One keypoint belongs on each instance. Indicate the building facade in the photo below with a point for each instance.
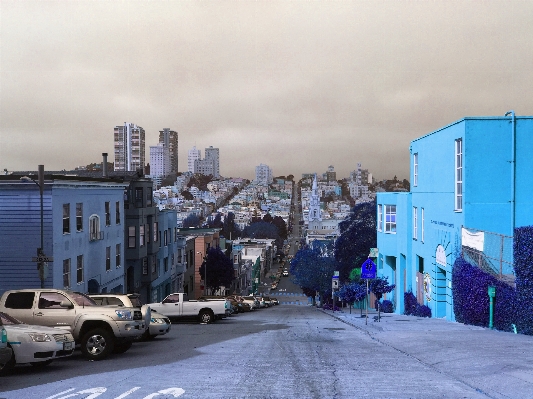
(169, 138)
(83, 225)
(192, 156)
(214, 155)
(470, 188)
(129, 144)
(263, 174)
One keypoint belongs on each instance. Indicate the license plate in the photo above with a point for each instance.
(67, 346)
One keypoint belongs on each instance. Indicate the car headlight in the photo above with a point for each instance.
(158, 321)
(124, 314)
(40, 337)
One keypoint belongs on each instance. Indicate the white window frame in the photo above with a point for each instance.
(390, 219)
(380, 217)
(422, 224)
(94, 227)
(459, 173)
(117, 255)
(107, 259)
(415, 223)
(66, 273)
(415, 169)
(79, 269)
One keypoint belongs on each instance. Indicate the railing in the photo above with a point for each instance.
(492, 253)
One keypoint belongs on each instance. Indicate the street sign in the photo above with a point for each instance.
(336, 273)
(42, 258)
(373, 253)
(368, 269)
(335, 283)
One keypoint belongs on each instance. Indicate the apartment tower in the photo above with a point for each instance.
(129, 147)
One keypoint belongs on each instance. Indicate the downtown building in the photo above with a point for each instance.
(169, 138)
(129, 145)
(263, 174)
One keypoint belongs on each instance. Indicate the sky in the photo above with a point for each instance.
(296, 85)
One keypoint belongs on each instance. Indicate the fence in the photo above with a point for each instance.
(491, 252)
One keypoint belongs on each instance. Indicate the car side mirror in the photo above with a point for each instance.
(66, 304)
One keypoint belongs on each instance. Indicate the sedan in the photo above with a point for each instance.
(37, 345)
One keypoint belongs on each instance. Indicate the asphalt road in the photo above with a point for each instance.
(287, 351)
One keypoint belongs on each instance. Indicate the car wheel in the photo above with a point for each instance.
(41, 364)
(7, 367)
(206, 316)
(97, 344)
(122, 347)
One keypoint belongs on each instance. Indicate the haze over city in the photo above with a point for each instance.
(295, 85)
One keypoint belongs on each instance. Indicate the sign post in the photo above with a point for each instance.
(368, 271)
(334, 286)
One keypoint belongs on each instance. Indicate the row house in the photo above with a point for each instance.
(82, 230)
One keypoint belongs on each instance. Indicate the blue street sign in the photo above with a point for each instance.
(368, 269)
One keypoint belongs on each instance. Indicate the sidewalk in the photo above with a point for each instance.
(494, 363)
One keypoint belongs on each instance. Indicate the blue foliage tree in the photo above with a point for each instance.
(312, 269)
(219, 269)
(358, 235)
(229, 229)
(351, 293)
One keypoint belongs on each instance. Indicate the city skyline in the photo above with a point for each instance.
(297, 86)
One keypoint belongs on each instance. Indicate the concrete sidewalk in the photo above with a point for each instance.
(496, 364)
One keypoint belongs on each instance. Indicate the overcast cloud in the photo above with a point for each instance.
(297, 85)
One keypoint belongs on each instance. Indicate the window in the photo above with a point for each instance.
(159, 234)
(141, 235)
(107, 214)
(165, 263)
(52, 300)
(149, 198)
(156, 230)
(380, 217)
(66, 218)
(20, 300)
(145, 266)
(147, 233)
(131, 237)
(117, 212)
(422, 224)
(117, 256)
(415, 169)
(415, 223)
(165, 237)
(390, 218)
(107, 258)
(66, 273)
(179, 260)
(459, 175)
(138, 196)
(79, 269)
(94, 227)
(154, 265)
(79, 217)
(170, 236)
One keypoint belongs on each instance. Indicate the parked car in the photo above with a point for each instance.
(274, 301)
(5, 350)
(268, 301)
(37, 345)
(262, 303)
(178, 305)
(254, 303)
(285, 273)
(158, 324)
(100, 330)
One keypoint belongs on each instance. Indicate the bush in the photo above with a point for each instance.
(410, 302)
(329, 306)
(422, 311)
(387, 306)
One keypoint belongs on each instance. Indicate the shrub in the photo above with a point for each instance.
(410, 302)
(387, 306)
(329, 306)
(422, 311)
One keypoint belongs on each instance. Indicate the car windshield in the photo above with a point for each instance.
(7, 320)
(82, 299)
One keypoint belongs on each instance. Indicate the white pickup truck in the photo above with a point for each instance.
(177, 305)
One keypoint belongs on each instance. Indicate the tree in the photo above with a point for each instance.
(380, 286)
(229, 229)
(267, 218)
(312, 269)
(215, 222)
(261, 230)
(219, 269)
(281, 225)
(358, 235)
(187, 195)
(351, 293)
(191, 221)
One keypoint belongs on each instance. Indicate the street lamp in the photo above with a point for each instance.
(41, 257)
(205, 271)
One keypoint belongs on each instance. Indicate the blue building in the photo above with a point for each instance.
(470, 188)
(83, 226)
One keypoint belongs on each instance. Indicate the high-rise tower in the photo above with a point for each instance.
(169, 138)
(214, 154)
(193, 155)
(129, 147)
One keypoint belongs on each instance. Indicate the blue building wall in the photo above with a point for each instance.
(487, 204)
(162, 285)
(20, 234)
